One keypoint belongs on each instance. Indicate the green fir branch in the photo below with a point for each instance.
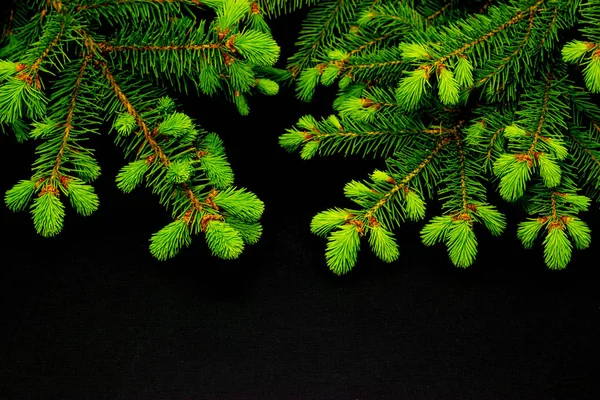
(92, 79)
(489, 80)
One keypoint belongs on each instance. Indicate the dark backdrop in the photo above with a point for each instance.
(90, 314)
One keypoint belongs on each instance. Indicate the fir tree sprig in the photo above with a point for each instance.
(492, 77)
(88, 83)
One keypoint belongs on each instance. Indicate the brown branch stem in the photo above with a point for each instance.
(69, 119)
(514, 20)
(402, 184)
(105, 47)
(544, 111)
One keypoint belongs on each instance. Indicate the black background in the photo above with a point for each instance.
(90, 314)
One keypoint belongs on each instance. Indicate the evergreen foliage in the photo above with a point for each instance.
(460, 98)
(67, 67)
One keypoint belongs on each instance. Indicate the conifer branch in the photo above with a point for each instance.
(372, 42)
(34, 67)
(374, 14)
(553, 206)
(587, 150)
(403, 183)
(122, 97)
(550, 27)
(543, 112)
(519, 122)
(315, 133)
(68, 124)
(463, 178)
(316, 36)
(492, 140)
(504, 26)
(185, 166)
(534, 126)
(321, 34)
(107, 48)
(376, 64)
(509, 58)
(439, 12)
(197, 205)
